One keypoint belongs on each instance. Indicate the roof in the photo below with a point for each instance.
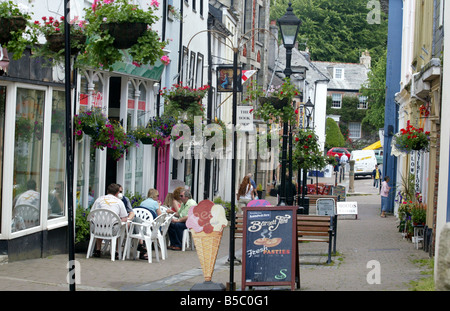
(354, 75)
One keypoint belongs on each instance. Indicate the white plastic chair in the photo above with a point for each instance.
(143, 213)
(147, 231)
(105, 225)
(25, 216)
(186, 239)
(162, 235)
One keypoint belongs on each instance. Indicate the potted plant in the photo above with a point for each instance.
(53, 29)
(117, 25)
(306, 151)
(411, 138)
(157, 131)
(182, 99)
(143, 134)
(418, 214)
(82, 227)
(14, 34)
(260, 191)
(275, 103)
(89, 122)
(103, 133)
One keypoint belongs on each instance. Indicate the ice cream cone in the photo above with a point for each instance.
(207, 245)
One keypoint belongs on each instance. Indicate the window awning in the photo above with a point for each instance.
(145, 71)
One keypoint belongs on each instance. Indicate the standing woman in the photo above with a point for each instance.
(384, 195)
(245, 193)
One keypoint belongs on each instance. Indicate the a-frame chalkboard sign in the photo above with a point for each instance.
(269, 247)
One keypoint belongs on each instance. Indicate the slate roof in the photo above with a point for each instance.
(354, 75)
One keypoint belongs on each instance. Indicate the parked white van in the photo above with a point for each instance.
(365, 162)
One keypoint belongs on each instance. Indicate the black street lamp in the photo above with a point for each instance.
(289, 25)
(308, 110)
(309, 113)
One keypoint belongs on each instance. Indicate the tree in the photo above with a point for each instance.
(375, 90)
(334, 137)
(335, 30)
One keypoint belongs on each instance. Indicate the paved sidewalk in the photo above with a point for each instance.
(361, 242)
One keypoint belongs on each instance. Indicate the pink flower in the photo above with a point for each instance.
(165, 60)
(154, 3)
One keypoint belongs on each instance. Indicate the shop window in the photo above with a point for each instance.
(28, 159)
(57, 173)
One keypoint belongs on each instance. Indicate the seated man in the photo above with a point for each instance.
(178, 224)
(112, 202)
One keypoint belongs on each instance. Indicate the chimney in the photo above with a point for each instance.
(365, 59)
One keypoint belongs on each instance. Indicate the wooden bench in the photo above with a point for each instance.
(314, 228)
(239, 223)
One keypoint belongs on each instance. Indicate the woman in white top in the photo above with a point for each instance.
(245, 193)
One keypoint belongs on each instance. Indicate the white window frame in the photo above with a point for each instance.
(334, 103)
(338, 73)
(362, 104)
(350, 133)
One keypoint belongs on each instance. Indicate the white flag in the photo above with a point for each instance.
(246, 74)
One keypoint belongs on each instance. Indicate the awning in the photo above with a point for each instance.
(145, 71)
(374, 146)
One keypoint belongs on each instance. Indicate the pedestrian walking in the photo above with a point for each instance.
(384, 195)
(376, 175)
(245, 193)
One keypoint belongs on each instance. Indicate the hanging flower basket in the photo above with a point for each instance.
(277, 103)
(184, 100)
(9, 25)
(117, 25)
(146, 140)
(125, 34)
(411, 138)
(56, 42)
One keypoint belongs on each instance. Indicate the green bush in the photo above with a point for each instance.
(334, 137)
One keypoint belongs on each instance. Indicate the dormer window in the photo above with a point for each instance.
(338, 73)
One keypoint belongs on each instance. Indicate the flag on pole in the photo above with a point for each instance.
(246, 74)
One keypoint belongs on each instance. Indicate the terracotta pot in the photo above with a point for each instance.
(125, 34)
(8, 25)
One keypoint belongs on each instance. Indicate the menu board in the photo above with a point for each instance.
(270, 246)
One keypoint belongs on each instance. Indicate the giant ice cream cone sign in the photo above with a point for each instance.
(206, 222)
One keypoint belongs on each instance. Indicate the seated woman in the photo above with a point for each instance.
(152, 203)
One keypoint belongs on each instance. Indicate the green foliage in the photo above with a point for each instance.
(266, 109)
(19, 36)
(375, 90)
(306, 153)
(81, 225)
(334, 137)
(335, 30)
(100, 51)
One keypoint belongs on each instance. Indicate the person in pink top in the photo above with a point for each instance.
(385, 188)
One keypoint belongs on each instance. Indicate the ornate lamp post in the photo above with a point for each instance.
(289, 25)
(308, 110)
